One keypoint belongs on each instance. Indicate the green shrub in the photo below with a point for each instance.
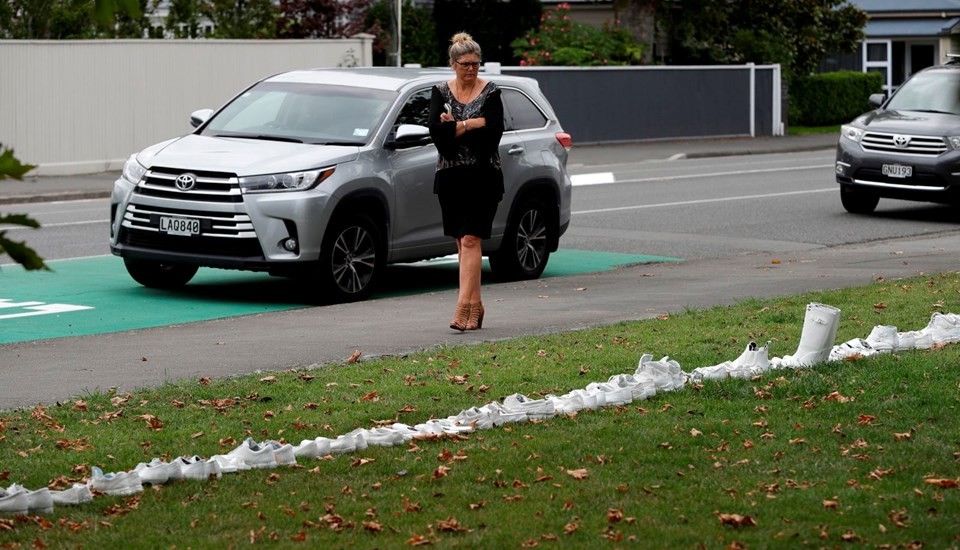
(831, 98)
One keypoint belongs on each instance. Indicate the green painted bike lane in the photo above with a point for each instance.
(96, 295)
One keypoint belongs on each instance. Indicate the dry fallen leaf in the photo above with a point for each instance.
(940, 482)
(355, 357)
(901, 437)
(736, 520)
(582, 473)
(268, 379)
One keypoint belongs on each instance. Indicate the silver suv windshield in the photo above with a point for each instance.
(303, 113)
(931, 92)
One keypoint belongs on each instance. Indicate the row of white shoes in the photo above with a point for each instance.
(650, 377)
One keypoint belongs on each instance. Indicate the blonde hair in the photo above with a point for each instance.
(462, 44)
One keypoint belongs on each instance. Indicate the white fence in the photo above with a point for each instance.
(74, 107)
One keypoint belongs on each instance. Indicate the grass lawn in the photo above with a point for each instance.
(862, 453)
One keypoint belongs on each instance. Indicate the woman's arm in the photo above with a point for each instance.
(444, 134)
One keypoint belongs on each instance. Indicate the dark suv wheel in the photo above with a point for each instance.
(858, 202)
(352, 259)
(159, 274)
(524, 252)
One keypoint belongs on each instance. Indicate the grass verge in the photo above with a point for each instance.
(862, 452)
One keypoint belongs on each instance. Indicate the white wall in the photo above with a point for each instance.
(74, 107)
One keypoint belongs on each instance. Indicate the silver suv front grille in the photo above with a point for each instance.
(902, 144)
(206, 186)
(213, 224)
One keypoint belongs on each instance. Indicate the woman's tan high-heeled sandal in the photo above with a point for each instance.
(475, 322)
(461, 317)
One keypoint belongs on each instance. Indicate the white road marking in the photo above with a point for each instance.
(41, 309)
(705, 201)
(597, 178)
(600, 178)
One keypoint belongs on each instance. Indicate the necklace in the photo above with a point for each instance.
(460, 92)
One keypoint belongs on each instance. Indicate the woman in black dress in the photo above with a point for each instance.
(466, 123)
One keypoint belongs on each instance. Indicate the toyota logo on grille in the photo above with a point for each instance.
(185, 182)
(901, 141)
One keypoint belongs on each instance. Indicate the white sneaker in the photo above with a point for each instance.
(883, 338)
(478, 418)
(13, 503)
(591, 401)
(227, 464)
(306, 449)
(640, 387)
(665, 374)
(114, 483)
(77, 494)
(347, 444)
(250, 455)
(196, 467)
(943, 328)
(157, 472)
(533, 408)
(282, 452)
(502, 415)
(568, 403)
(610, 394)
(406, 431)
(323, 446)
(852, 348)
(38, 502)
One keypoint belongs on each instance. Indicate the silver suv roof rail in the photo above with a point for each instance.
(953, 58)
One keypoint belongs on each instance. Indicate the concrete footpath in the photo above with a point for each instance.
(55, 370)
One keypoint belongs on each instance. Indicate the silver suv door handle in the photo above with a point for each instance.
(515, 150)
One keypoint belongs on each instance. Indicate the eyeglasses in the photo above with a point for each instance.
(469, 64)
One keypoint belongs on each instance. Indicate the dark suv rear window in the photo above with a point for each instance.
(520, 112)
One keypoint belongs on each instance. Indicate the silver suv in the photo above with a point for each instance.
(327, 175)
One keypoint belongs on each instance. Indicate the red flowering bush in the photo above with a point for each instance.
(561, 41)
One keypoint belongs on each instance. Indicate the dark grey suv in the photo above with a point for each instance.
(908, 148)
(327, 175)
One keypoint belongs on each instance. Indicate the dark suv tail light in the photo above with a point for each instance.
(565, 139)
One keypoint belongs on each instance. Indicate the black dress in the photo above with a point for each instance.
(469, 178)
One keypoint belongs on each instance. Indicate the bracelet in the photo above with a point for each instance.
(464, 125)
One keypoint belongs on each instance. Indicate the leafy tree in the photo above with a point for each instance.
(561, 41)
(242, 18)
(494, 25)
(70, 19)
(419, 34)
(10, 167)
(183, 18)
(798, 34)
(321, 18)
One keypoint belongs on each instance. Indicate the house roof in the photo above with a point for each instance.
(876, 7)
(896, 28)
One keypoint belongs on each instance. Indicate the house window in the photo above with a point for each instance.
(877, 57)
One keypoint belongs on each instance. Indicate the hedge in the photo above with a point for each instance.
(831, 98)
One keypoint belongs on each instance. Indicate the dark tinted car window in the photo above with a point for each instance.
(520, 112)
(416, 110)
(931, 91)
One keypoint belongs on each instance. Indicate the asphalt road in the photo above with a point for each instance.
(742, 224)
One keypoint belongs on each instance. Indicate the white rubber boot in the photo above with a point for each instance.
(816, 340)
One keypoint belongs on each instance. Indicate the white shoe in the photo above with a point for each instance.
(13, 503)
(347, 444)
(640, 387)
(323, 446)
(250, 455)
(282, 452)
(157, 472)
(477, 418)
(665, 374)
(914, 339)
(77, 494)
(501, 415)
(753, 361)
(858, 347)
(227, 464)
(610, 394)
(196, 467)
(569, 403)
(114, 483)
(883, 338)
(533, 408)
(38, 502)
(405, 430)
(816, 341)
(306, 449)
(943, 328)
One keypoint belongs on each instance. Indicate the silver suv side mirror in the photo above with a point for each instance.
(877, 100)
(409, 135)
(199, 117)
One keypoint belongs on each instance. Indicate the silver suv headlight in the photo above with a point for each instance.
(132, 170)
(851, 132)
(289, 181)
